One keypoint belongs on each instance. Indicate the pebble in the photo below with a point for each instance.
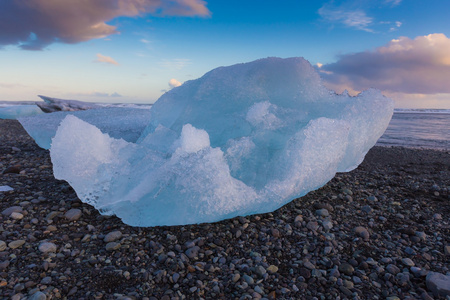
(112, 236)
(362, 232)
(2, 245)
(438, 284)
(327, 224)
(47, 247)
(111, 246)
(322, 212)
(8, 211)
(38, 296)
(407, 262)
(16, 215)
(272, 269)
(16, 244)
(73, 214)
(346, 268)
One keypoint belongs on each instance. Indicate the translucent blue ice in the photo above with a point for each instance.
(240, 140)
(125, 123)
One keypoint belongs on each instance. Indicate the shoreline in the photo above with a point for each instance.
(373, 233)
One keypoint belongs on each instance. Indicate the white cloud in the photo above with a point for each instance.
(174, 83)
(35, 24)
(355, 18)
(106, 59)
(393, 2)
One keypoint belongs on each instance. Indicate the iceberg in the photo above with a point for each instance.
(118, 122)
(240, 140)
(54, 104)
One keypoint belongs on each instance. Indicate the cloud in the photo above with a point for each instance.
(393, 2)
(347, 16)
(174, 83)
(404, 65)
(35, 24)
(106, 59)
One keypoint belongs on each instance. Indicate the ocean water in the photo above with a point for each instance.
(413, 128)
(427, 129)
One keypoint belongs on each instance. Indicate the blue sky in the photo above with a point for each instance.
(134, 50)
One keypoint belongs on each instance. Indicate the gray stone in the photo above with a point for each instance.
(346, 268)
(312, 225)
(393, 269)
(16, 215)
(362, 232)
(438, 284)
(447, 250)
(112, 236)
(111, 246)
(8, 211)
(47, 247)
(322, 212)
(192, 252)
(248, 279)
(327, 224)
(16, 244)
(408, 262)
(2, 245)
(367, 209)
(38, 296)
(73, 214)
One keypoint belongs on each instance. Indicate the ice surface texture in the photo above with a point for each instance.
(15, 111)
(240, 140)
(125, 123)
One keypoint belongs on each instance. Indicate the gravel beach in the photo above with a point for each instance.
(381, 231)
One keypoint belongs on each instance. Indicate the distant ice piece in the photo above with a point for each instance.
(54, 104)
(16, 111)
(118, 122)
(240, 140)
(6, 188)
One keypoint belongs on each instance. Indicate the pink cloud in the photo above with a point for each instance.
(106, 59)
(35, 24)
(404, 65)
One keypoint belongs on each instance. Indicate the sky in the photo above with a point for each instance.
(135, 50)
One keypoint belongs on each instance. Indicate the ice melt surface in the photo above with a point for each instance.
(240, 140)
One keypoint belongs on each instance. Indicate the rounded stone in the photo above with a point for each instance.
(2, 245)
(8, 211)
(16, 215)
(47, 247)
(346, 268)
(111, 246)
(73, 214)
(16, 244)
(272, 269)
(112, 236)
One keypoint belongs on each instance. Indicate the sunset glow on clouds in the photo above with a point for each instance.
(35, 24)
(93, 49)
(404, 65)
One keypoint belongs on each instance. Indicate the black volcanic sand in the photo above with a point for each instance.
(373, 233)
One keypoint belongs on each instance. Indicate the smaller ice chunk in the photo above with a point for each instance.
(6, 188)
(54, 104)
(99, 150)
